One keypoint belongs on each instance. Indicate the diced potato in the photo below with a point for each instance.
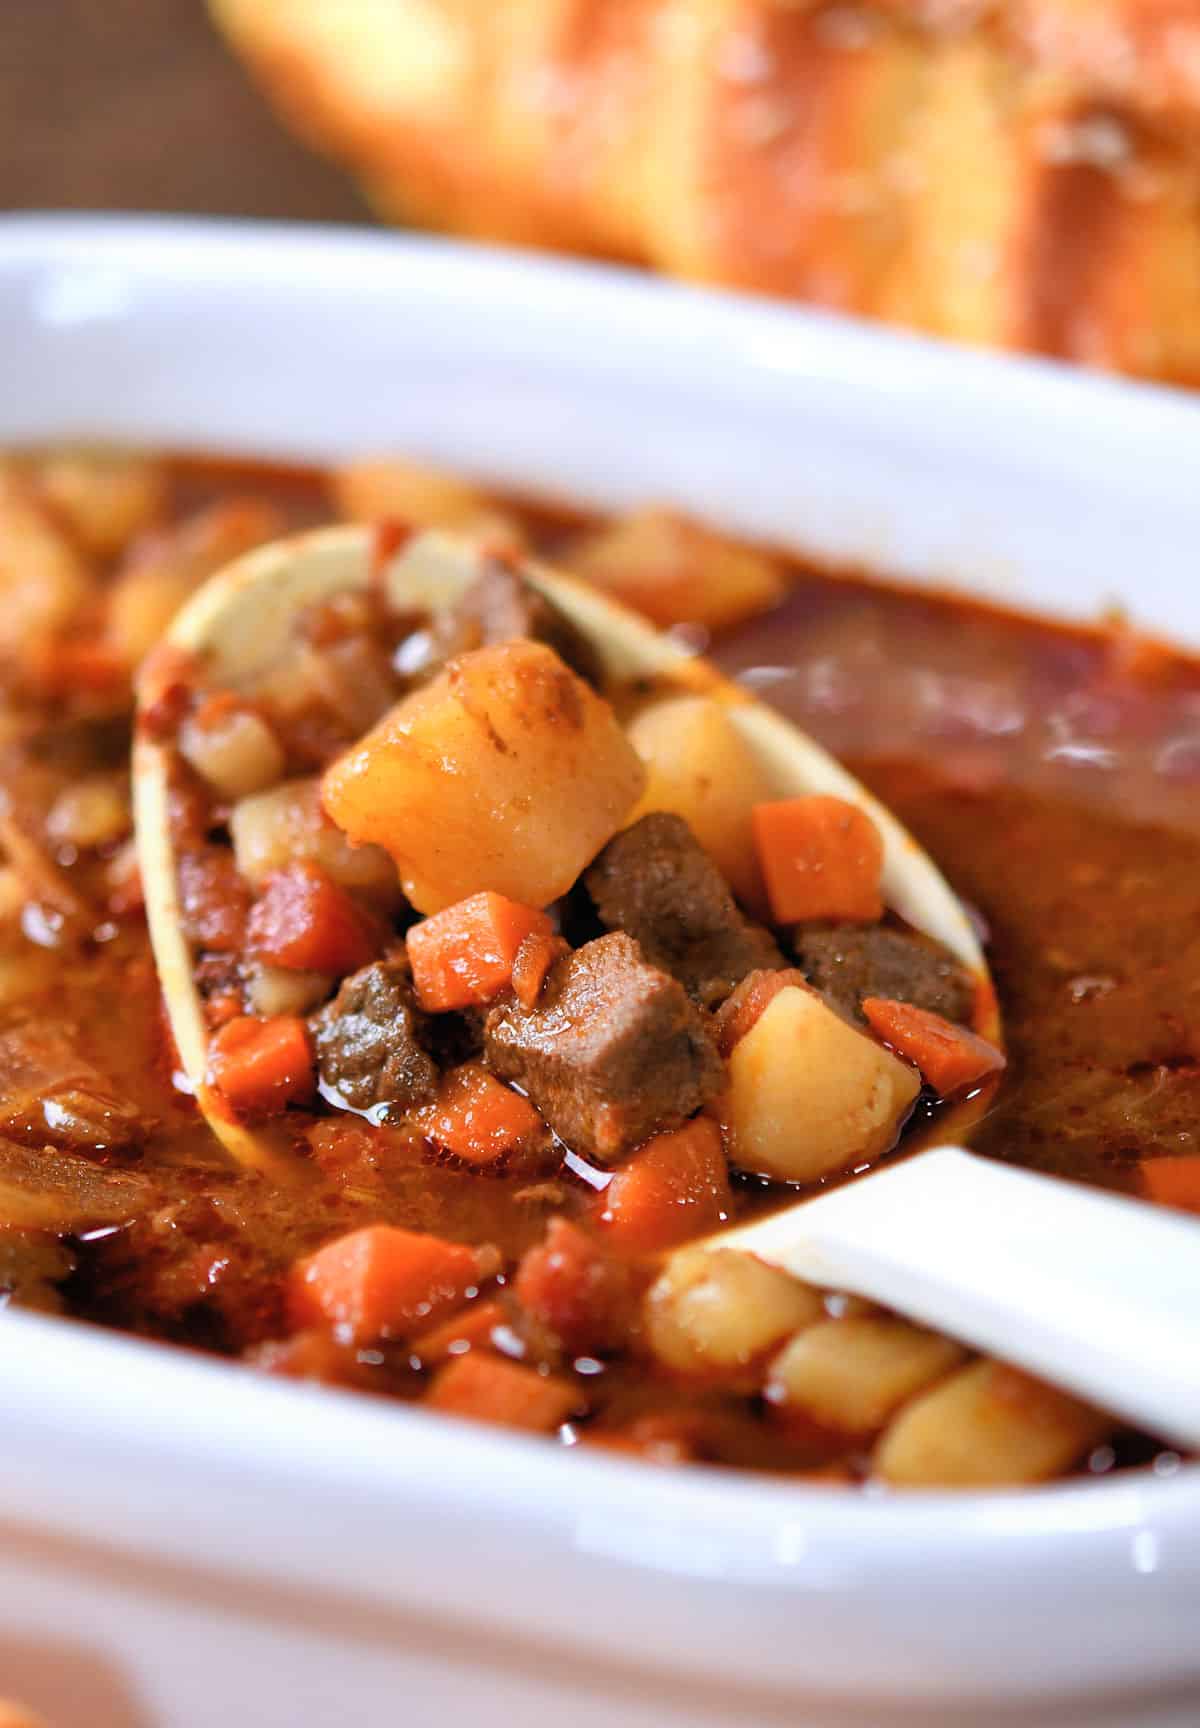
(854, 1373)
(809, 1094)
(91, 812)
(43, 580)
(988, 1426)
(718, 1309)
(424, 496)
(286, 824)
(163, 568)
(699, 766)
(277, 990)
(104, 497)
(506, 772)
(676, 571)
(235, 751)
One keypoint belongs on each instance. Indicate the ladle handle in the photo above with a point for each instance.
(1096, 1292)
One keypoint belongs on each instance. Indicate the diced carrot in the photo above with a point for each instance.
(674, 1187)
(821, 858)
(471, 1329)
(259, 1066)
(220, 1010)
(464, 955)
(533, 960)
(305, 922)
(478, 1117)
(380, 1282)
(951, 1058)
(739, 1012)
(1173, 1181)
(489, 1389)
(571, 1285)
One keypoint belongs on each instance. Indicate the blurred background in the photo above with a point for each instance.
(1014, 173)
(137, 105)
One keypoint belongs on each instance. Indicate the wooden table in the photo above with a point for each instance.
(136, 105)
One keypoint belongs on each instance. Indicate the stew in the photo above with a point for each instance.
(515, 1078)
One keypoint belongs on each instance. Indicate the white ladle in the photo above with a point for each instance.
(1096, 1292)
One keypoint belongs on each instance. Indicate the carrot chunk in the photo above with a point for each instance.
(259, 1066)
(380, 1282)
(489, 1389)
(305, 922)
(1173, 1181)
(821, 858)
(471, 1329)
(673, 1187)
(465, 955)
(478, 1117)
(950, 1057)
(533, 960)
(573, 1287)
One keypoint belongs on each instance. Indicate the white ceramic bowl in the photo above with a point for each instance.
(184, 1543)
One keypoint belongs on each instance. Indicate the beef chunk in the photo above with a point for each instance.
(500, 606)
(658, 884)
(613, 1051)
(849, 961)
(370, 1049)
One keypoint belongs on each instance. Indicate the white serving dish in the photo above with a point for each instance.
(184, 1544)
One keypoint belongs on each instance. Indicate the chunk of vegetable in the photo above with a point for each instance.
(91, 812)
(1173, 1181)
(531, 966)
(464, 955)
(719, 1309)
(575, 1289)
(273, 829)
(380, 1282)
(987, 1426)
(489, 1389)
(274, 990)
(821, 858)
(675, 571)
(233, 748)
(739, 1012)
(470, 1329)
(951, 1058)
(304, 922)
(478, 1118)
(699, 766)
(809, 1094)
(506, 772)
(854, 1373)
(674, 1187)
(260, 1066)
(104, 497)
(413, 492)
(43, 581)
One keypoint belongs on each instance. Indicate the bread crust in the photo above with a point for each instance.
(1022, 173)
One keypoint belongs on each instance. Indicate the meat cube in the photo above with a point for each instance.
(847, 962)
(658, 884)
(613, 1051)
(499, 606)
(370, 1050)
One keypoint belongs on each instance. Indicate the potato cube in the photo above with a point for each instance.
(988, 1426)
(506, 772)
(699, 766)
(286, 825)
(105, 497)
(719, 1309)
(809, 1094)
(675, 571)
(854, 1373)
(43, 581)
(421, 495)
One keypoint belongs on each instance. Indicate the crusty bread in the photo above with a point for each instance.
(1023, 172)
